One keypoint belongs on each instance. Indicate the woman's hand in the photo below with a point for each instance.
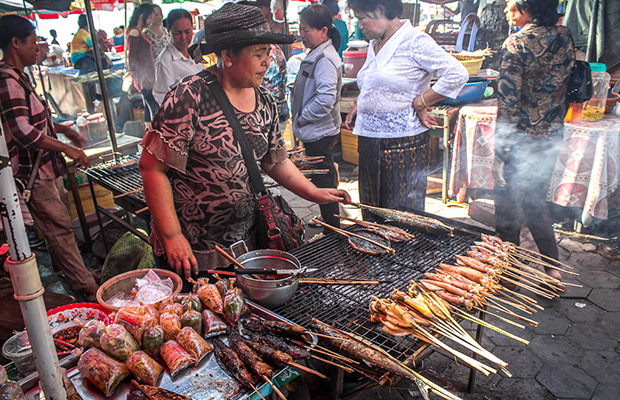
(180, 256)
(348, 122)
(329, 195)
(426, 118)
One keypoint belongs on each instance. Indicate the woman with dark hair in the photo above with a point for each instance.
(31, 139)
(392, 108)
(195, 179)
(316, 99)
(340, 25)
(157, 33)
(141, 65)
(535, 66)
(175, 62)
(82, 42)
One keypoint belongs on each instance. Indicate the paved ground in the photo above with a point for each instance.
(573, 353)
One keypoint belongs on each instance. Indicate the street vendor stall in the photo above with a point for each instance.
(585, 174)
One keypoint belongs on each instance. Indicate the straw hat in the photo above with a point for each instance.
(235, 25)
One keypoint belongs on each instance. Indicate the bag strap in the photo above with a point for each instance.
(246, 149)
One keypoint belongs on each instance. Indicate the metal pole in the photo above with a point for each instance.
(27, 287)
(104, 88)
(591, 50)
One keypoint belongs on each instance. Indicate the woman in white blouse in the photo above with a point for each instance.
(392, 120)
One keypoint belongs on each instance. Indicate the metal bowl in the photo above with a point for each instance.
(269, 293)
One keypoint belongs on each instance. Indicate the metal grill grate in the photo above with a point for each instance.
(346, 306)
(121, 179)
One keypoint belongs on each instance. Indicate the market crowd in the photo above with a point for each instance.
(196, 176)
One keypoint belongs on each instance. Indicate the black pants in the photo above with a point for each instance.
(528, 173)
(325, 147)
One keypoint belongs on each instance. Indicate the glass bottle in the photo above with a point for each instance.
(595, 107)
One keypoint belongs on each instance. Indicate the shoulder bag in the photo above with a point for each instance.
(278, 227)
(579, 87)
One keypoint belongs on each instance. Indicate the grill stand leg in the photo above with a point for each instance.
(337, 383)
(98, 214)
(472, 372)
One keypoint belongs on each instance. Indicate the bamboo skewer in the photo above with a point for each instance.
(343, 367)
(490, 326)
(275, 388)
(256, 391)
(118, 196)
(348, 234)
(499, 317)
(512, 314)
(308, 370)
(330, 353)
(140, 211)
(326, 281)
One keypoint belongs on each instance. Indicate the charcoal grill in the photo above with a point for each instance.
(346, 306)
(121, 178)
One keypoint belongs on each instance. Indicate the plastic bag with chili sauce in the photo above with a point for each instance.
(171, 324)
(90, 334)
(103, 371)
(213, 325)
(152, 339)
(117, 342)
(193, 319)
(144, 368)
(175, 357)
(134, 322)
(193, 344)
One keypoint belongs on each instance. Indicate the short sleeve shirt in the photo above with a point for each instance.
(213, 198)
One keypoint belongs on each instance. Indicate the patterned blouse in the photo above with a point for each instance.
(158, 42)
(535, 67)
(392, 78)
(210, 185)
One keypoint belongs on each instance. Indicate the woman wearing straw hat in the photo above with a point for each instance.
(195, 180)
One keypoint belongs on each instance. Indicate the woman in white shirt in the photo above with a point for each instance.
(174, 63)
(392, 120)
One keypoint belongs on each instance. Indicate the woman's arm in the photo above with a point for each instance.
(287, 174)
(158, 194)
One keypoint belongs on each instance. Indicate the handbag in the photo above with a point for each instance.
(278, 227)
(579, 87)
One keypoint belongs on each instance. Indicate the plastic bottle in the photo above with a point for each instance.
(595, 107)
(82, 125)
(9, 390)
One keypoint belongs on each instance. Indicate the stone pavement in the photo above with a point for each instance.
(574, 352)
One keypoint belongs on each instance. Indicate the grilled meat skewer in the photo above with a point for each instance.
(277, 328)
(231, 362)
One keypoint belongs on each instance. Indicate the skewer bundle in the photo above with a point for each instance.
(478, 280)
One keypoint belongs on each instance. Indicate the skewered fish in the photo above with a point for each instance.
(249, 357)
(418, 222)
(277, 328)
(367, 247)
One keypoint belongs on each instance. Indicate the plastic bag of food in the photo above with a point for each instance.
(191, 302)
(223, 286)
(175, 357)
(194, 344)
(210, 298)
(103, 371)
(152, 339)
(152, 289)
(174, 308)
(72, 393)
(117, 342)
(90, 334)
(212, 324)
(199, 283)
(192, 318)
(144, 368)
(171, 323)
(134, 323)
(234, 306)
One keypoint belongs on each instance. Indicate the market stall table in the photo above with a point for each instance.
(585, 174)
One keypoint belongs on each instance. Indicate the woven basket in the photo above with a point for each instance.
(125, 282)
(472, 65)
